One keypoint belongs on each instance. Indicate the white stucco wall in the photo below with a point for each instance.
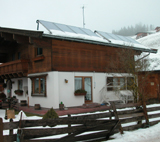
(59, 91)
(15, 87)
(52, 90)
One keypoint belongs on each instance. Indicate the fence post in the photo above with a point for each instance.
(69, 124)
(145, 110)
(1, 129)
(11, 131)
(116, 115)
(110, 117)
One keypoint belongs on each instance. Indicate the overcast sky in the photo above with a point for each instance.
(103, 15)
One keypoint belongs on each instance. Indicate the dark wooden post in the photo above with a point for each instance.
(116, 116)
(11, 131)
(110, 117)
(69, 124)
(1, 129)
(145, 110)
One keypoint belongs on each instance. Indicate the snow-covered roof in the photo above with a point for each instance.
(147, 32)
(62, 31)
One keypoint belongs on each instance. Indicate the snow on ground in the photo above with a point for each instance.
(151, 134)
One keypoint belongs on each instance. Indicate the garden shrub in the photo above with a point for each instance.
(51, 114)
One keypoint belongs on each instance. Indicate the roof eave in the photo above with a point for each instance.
(23, 32)
(99, 43)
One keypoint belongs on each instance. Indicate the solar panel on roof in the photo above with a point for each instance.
(88, 32)
(103, 34)
(77, 30)
(49, 25)
(114, 36)
(66, 28)
(124, 38)
(111, 37)
(132, 40)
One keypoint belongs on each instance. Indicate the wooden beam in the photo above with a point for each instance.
(7, 36)
(41, 42)
(15, 75)
(2, 76)
(11, 75)
(22, 32)
(20, 74)
(6, 76)
(21, 39)
(25, 74)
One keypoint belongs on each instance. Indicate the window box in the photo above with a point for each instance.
(18, 92)
(38, 58)
(80, 92)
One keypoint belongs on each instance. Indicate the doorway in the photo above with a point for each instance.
(9, 88)
(86, 84)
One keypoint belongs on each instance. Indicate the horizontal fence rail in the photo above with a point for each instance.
(96, 126)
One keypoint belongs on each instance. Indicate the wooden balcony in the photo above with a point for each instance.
(14, 69)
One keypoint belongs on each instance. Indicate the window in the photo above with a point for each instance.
(39, 86)
(39, 51)
(20, 85)
(86, 84)
(119, 83)
(19, 55)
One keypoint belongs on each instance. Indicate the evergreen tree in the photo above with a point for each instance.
(130, 30)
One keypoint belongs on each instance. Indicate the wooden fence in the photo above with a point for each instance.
(98, 125)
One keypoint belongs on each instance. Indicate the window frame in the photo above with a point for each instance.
(112, 87)
(33, 93)
(37, 52)
(83, 86)
(20, 80)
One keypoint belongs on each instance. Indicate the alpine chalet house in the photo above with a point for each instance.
(47, 67)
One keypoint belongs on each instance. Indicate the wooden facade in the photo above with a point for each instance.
(17, 46)
(73, 56)
(150, 84)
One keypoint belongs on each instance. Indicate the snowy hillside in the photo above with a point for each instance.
(152, 41)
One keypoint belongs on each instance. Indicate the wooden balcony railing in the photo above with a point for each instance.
(13, 69)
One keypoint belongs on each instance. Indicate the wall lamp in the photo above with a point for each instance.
(66, 81)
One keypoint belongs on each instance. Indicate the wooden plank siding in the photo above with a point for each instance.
(63, 55)
(74, 56)
(150, 83)
(42, 64)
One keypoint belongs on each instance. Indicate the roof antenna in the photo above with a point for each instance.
(83, 16)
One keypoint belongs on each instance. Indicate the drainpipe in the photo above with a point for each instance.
(144, 56)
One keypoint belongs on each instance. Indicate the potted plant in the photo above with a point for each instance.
(80, 92)
(61, 106)
(18, 92)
